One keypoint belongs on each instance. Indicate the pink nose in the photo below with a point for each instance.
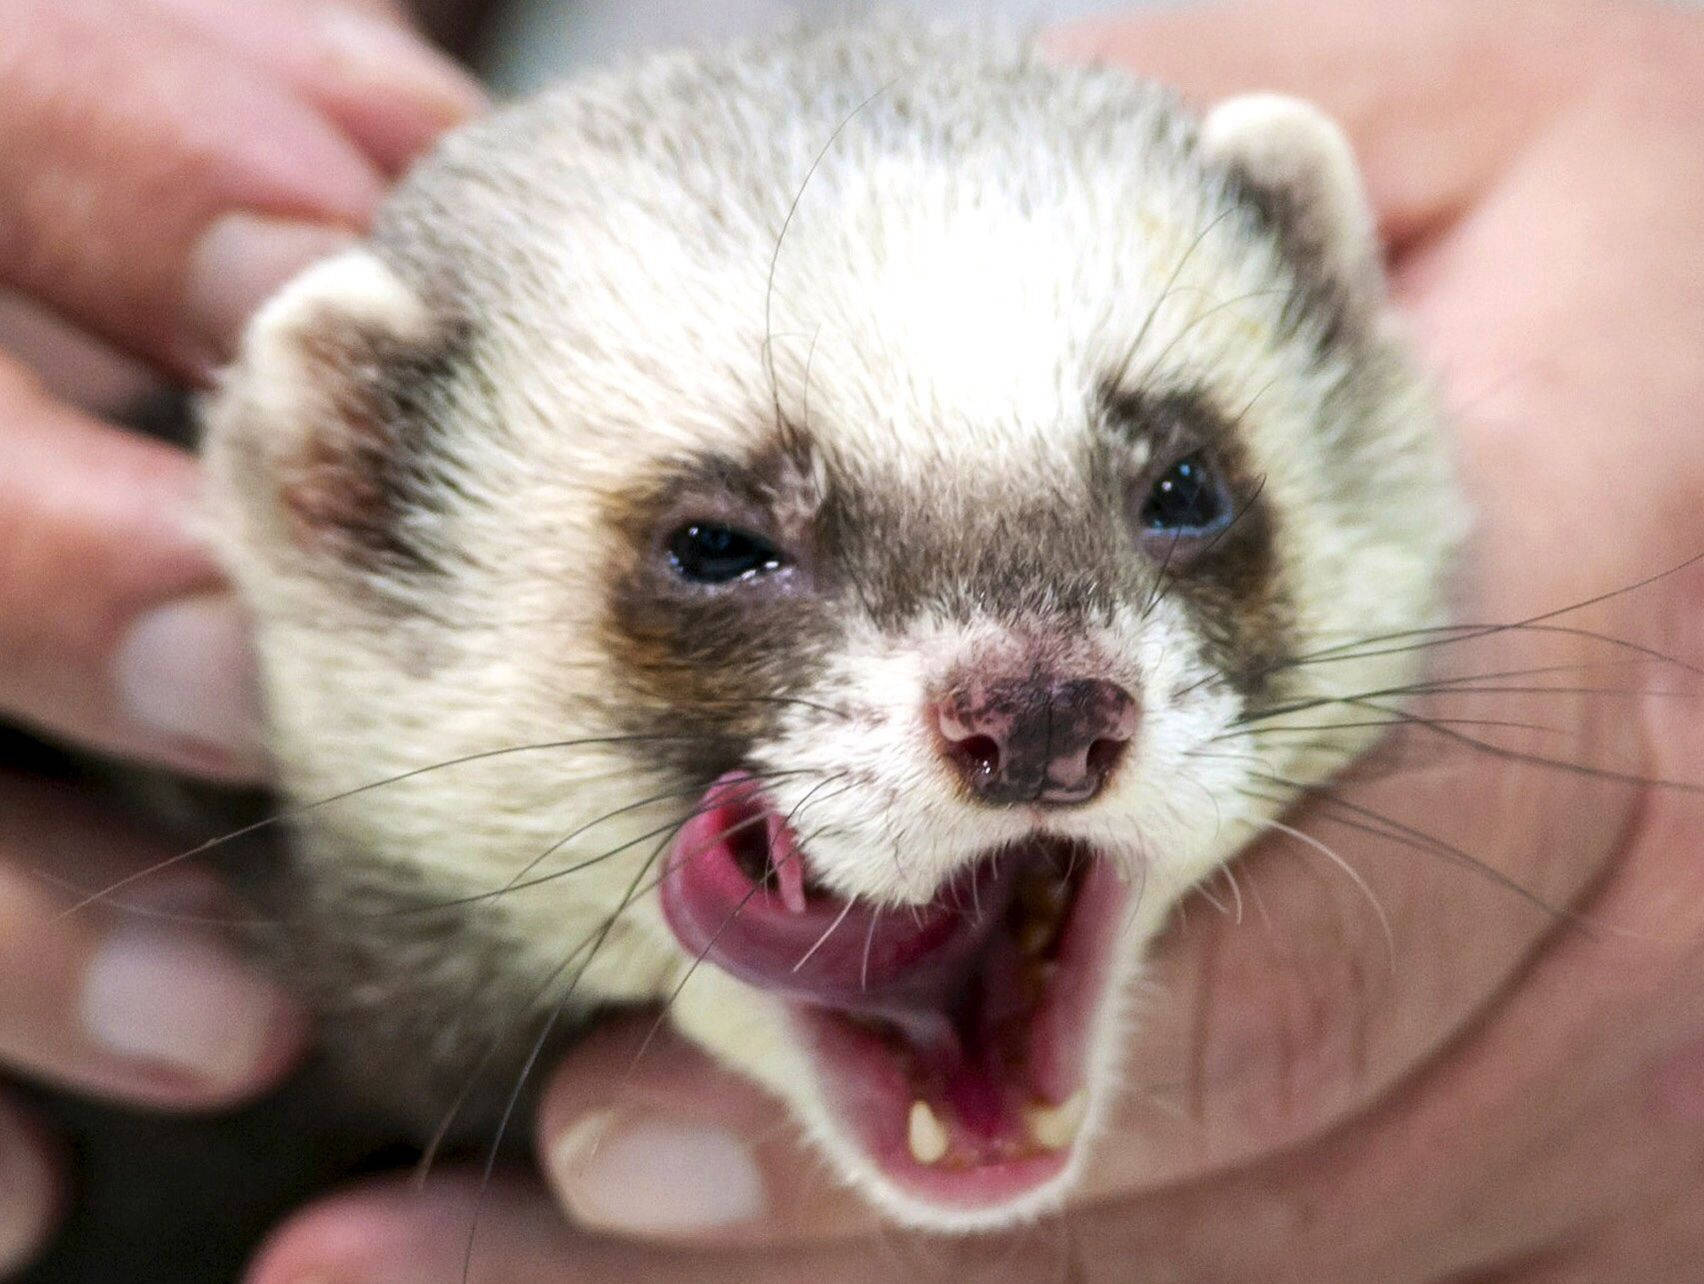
(1036, 740)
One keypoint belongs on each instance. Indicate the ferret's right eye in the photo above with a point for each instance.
(706, 553)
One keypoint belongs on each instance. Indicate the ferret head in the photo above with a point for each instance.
(846, 513)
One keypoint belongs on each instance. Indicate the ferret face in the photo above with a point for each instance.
(841, 542)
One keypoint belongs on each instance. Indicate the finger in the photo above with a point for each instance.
(1259, 1031)
(126, 140)
(1264, 1031)
(1487, 1128)
(1435, 98)
(29, 1190)
(1294, 1015)
(71, 365)
(643, 1135)
(114, 627)
(389, 1233)
(127, 1002)
(390, 91)
(1274, 1010)
(1385, 1199)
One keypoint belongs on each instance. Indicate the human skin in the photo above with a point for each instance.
(1510, 1084)
(163, 165)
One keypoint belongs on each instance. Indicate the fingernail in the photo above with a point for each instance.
(27, 1195)
(179, 1002)
(241, 261)
(368, 49)
(646, 1177)
(185, 671)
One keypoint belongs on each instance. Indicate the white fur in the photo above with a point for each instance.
(1286, 145)
(952, 333)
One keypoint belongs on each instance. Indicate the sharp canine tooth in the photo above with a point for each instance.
(927, 1135)
(1056, 1127)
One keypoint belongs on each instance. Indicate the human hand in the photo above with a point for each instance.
(1511, 1080)
(164, 164)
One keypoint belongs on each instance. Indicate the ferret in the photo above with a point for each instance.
(812, 535)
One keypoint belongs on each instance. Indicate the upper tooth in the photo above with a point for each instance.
(927, 1135)
(1056, 1127)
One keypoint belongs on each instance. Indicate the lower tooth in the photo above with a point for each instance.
(927, 1135)
(1056, 1127)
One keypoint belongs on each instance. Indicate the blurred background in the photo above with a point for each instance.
(523, 44)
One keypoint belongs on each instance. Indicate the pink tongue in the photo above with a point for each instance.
(905, 964)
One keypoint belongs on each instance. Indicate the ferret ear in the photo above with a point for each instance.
(1297, 164)
(312, 437)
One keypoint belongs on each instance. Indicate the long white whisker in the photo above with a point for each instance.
(1346, 867)
(839, 919)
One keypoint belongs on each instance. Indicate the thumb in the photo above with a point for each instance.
(643, 1135)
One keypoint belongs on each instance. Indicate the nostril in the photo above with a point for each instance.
(979, 756)
(1036, 739)
(1104, 756)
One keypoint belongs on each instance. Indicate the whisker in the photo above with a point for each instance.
(869, 939)
(828, 932)
(434, 1144)
(1476, 631)
(1156, 591)
(1470, 633)
(1651, 692)
(1156, 594)
(1236, 890)
(1556, 764)
(592, 939)
(1397, 721)
(531, 1063)
(304, 809)
(1458, 685)
(669, 833)
(669, 830)
(1382, 826)
(1121, 378)
(425, 907)
(1354, 876)
(1224, 909)
(514, 883)
(1185, 330)
(805, 395)
(497, 1043)
(1232, 755)
(780, 239)
(692, 968)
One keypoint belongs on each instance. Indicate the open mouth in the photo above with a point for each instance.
(952, 1037)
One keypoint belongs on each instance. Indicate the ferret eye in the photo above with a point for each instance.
(705, 553)
(1191, 499)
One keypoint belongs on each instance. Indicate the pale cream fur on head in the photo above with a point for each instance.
(583, 284)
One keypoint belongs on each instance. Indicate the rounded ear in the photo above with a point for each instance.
(313, 437)
(1298, 165)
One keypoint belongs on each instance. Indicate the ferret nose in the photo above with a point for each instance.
(1052, 741)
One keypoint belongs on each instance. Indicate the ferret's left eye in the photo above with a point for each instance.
(1190, 499)
(706, 553)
